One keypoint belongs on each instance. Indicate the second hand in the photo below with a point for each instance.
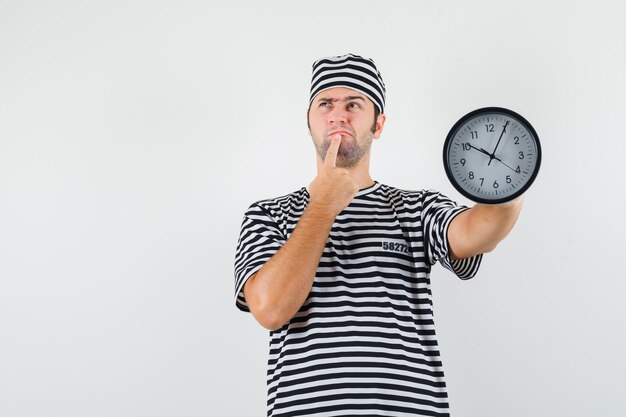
(492, 157)
(500, 160)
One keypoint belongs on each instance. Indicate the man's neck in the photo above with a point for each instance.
(363, 179)
(360, 173)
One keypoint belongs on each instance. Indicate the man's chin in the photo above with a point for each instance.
(347, 159)
(346, 146)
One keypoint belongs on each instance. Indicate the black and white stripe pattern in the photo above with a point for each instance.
(351, 71)
(364, 341)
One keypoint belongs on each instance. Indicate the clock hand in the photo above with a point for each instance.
(480, 150)
(491, 156)
(500, 160)
(485, 152)
(499, 139)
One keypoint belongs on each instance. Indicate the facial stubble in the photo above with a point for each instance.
(350, 152)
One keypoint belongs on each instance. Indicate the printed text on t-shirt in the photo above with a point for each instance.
(395, 247)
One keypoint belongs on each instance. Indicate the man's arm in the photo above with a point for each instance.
(277, 291)
(481, 228)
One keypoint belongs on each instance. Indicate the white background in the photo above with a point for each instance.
(134, 134)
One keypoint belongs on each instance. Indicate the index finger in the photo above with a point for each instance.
(331, 154)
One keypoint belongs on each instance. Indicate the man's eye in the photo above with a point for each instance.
(354, 105)
(324, 104)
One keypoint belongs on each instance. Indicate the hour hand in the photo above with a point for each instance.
(485, 152)
(480, 150)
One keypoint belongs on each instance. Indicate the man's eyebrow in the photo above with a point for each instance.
(347, 98)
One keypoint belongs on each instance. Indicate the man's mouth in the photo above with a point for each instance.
(338, 132)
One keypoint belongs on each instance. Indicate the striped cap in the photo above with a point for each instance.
(351, 71)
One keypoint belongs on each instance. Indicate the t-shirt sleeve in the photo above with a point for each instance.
(438, 212)
(259, 239)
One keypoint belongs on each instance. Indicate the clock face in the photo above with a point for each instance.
(492, 155)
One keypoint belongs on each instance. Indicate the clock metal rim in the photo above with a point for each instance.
(490, 110)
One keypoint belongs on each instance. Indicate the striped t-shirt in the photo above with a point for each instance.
(363, 343)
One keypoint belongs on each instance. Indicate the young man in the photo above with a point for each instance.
(339, 271)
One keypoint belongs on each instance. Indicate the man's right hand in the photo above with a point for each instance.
(334, 188)
(278, 290)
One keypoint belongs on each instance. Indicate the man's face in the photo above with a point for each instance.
(349, 113)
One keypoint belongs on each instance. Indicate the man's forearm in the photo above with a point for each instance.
(481, 228)
(278, 290)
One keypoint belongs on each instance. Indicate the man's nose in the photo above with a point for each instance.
(338, 114)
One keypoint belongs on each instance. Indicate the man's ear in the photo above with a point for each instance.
(308, 124)
(380, 124)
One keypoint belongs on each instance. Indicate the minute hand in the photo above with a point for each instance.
(493, 154)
